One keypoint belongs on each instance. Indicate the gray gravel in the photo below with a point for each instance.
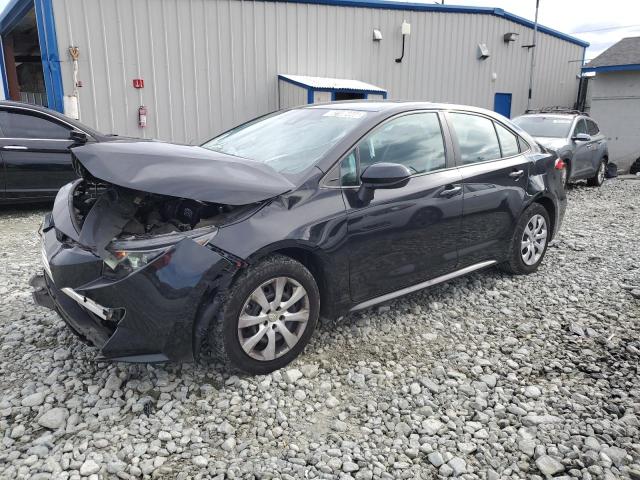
(489, 377)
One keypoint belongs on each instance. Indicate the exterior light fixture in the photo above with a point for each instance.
(405, 29)
(483, 51)
(510, 37)
(377, 35)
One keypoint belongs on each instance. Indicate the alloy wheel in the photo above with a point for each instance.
(601, 170)
(534, 239)
(273, 318)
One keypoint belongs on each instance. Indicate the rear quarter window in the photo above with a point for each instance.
(508, 141)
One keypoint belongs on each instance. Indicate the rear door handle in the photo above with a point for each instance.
(516, 173)
(450, 191)
(14, 147)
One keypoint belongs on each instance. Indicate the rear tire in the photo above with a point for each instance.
(272, 332)
(598, 178)
(530, 240)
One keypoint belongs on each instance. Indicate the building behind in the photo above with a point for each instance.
(615, 100)
(210, 64)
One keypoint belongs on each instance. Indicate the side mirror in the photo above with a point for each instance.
(582, 137)
(382, 175)
(78, 137)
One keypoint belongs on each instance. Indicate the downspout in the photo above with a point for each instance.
(533, 55)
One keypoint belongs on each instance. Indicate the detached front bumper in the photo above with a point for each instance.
(154, 314)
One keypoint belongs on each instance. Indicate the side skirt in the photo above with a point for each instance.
(420, 286)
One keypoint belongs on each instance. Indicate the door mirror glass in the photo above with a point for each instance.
(582, 137)
(385, 175)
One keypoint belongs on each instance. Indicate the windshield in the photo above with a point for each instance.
(290, 141)
(539, 126)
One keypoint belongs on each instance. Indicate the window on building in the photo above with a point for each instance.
(477, 138)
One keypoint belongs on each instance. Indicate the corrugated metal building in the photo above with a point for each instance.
(210, 64)
(615, 100)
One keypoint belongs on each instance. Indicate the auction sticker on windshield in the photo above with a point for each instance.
(344, 114)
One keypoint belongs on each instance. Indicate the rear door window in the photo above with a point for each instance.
(23, 124)
(476, 137)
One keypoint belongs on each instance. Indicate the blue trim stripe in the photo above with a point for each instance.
(425, 7)
(613, 68)
(49, 52)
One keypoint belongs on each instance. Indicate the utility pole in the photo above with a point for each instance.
(533, 55)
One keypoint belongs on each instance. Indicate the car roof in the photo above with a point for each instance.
(552, 115)
(397, 106)
(37, 108)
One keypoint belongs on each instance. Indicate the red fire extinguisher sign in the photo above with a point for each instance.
(142, 116)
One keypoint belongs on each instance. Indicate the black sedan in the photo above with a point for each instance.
(35, 156)
(242, 243)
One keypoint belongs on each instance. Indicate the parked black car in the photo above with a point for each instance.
(242, 243)
(35, 151)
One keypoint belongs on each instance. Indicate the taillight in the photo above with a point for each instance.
(559, 164)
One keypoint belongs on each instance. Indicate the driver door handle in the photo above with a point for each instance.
(450, 191)
(516, 173)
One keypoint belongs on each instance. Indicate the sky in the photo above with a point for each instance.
(599, 23)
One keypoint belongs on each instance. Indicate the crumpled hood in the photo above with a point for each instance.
(554, 144)
(181, 171)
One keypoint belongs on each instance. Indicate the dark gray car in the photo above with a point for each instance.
(575, 138)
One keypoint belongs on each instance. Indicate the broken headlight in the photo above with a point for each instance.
(129, 255)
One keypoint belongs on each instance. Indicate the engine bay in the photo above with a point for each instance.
(149, 214)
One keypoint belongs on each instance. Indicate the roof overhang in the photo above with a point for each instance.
(331, 84)
(428, 7)
(612, 68)
(13, 13)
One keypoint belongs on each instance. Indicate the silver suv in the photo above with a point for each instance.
(574, 137)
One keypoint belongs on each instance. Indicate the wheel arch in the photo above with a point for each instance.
(548, 204)
(309, 256)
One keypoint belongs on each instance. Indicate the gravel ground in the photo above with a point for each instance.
(489, 376)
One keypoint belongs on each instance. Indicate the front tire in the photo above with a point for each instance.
(267, 316)
(598, 178)
(530, 240)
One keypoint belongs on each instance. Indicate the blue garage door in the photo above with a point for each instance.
(502, 104)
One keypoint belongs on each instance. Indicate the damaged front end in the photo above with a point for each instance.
(132, 272)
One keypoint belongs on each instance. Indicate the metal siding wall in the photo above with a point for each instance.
(210, 64)
(291, 95)
(615, 105)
